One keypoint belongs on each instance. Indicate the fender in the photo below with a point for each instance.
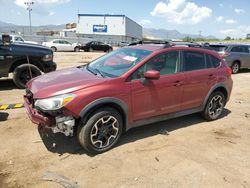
(216, 86)
(106, 101)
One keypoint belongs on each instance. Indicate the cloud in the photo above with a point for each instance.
(220, 18)
(228, 31)
(51, 13)
(221, 5)
(239, 11)
(145, 22)
(41, 2)
(238, 32)
(181, 12)
(231, 21)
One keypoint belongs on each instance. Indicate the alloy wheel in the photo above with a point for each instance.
(216, 106)
(104, 132)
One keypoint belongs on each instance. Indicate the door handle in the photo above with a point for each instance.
(178, 83)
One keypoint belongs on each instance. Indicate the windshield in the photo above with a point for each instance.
(118, 62)
(219, 48)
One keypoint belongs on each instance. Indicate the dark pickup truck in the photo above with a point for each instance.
(25, 61)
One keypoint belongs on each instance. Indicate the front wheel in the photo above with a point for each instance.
(101, 132)
(235, 67)
(214, 107)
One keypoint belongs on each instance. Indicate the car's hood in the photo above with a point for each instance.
(29, 49)
(62, 82)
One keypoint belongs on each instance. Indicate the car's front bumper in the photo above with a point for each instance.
(59, 123)
(49, 66)
(34, 115)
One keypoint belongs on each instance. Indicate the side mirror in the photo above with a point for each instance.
(152, 75)
(6, 40)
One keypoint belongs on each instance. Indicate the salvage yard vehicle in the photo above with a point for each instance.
(62, 45)
(237, 56)
(96, 46)
(129, 87)
(19, 39)
(25, 61)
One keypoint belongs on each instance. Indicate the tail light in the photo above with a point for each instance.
(224, 54)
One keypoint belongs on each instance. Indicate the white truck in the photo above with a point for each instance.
(18, 39)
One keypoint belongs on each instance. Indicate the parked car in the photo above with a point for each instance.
(62, 45)
(129, 87)
(25, 61)
(96, 46)
(236, 55)
(19, 39)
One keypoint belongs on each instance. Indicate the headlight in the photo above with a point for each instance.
(54, 103)
(48, 57)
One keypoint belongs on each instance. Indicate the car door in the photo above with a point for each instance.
(248, 58)
(56, 43)
(101, 46)
(157, 97)
(198, 79)
(241, 53)
(6, 57)
(94, 45)
(68, 46)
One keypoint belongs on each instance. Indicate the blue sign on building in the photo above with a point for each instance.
(100, 28)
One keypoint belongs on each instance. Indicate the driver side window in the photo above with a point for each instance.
(166, 63)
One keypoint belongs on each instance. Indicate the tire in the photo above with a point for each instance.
(21, 74)
(96, 143)
(77, 49)
(53, 49)
(235, 67)
(214, 107)
(110, 50)
(91, 49)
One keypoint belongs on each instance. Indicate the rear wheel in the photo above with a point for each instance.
(101, 132)
(77, 49)
(23, 73)
(214, 107)
(235, 67)
(91, 49)
(53, 49)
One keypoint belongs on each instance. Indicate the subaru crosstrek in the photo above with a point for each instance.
(126, 88)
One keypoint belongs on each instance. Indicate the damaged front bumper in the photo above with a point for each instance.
(59, 123)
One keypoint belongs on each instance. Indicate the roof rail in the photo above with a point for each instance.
(166, 43)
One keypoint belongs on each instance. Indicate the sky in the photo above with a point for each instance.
(219, 18)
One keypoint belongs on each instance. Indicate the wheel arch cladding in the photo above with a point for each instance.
(24, 61)
(218, 87)
(114, 103)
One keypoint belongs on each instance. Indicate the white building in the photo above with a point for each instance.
(108, 28)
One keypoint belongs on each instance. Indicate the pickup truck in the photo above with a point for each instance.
(19, 39)
(25, 61)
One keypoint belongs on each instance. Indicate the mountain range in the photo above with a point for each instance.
(147, 32)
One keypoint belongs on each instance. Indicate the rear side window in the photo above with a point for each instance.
(240, 49)
(193, 61)
(212, 62)
(219, 48)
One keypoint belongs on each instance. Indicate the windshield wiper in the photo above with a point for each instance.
(95, 71)
(91, 70)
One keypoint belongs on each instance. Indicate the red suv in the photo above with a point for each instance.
(126, 88)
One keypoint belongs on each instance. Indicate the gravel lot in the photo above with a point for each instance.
(183, 152)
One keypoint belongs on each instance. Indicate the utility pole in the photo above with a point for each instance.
(29, 5)
(200, 34)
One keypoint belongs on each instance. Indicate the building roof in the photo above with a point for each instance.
(103, 15)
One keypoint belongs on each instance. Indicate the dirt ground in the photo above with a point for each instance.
(183, 152)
